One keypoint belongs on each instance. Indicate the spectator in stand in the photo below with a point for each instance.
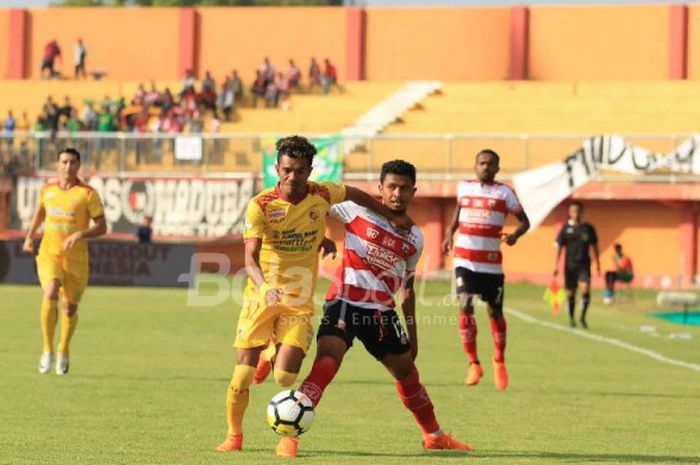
(79, 53)
(9, 126)
(24, 124)
(208, 96)
(51, 52)
(271, 94)
(140, 95)
(41, 122)
(105, 120)
(208, 82)
(51, 112)
(73, 124)
(293, 76)
(189, 82)
(258, 88)
(236, 87)
(268, 72)
(282, 85)
(330, 77)
(90, 117)
(67, 109)
(152, 97)
(166, 99)
(226, 99)
(314, 74)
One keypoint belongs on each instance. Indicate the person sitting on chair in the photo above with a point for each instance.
(623, 273)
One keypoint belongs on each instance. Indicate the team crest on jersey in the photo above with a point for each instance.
(478, 203)
(492, 203)
(372, 233)
(50, 195)
(492, 256)
(389, 242)
(314, 214)
(584, 237)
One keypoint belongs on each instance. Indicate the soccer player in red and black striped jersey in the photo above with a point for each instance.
(482, 206)
(378, 262)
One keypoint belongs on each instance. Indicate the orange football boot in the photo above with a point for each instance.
(232, 443)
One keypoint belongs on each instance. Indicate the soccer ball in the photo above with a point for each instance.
(290, 413)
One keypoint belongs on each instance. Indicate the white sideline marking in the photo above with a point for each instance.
(608, 340)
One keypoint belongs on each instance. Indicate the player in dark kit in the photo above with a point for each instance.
(378, 262)
(577, 237)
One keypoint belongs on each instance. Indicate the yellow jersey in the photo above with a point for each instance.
(67, 211)
(291, 234)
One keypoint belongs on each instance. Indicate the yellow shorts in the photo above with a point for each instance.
(289, 325)
(73, 275)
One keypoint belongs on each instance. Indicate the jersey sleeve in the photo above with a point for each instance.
(512, 203)
(336, 190)
(254, 223)
(94, 205)
(412, 261)
(343, 211)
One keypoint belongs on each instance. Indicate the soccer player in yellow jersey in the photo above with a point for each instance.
(284, 227)
(66, 207)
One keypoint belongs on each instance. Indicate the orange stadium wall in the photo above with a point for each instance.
(599, 42)
(438, 43)
(127, 43)
(694, 41)
(5, 34)
(239, 38)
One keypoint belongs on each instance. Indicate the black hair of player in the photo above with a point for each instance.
(70, 151)
(577, 204)
(490, 152)
(400, 168)
(297, 147)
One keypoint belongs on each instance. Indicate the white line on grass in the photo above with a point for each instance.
(608, 340)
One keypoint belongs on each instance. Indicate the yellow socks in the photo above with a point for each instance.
(237, 397)
(48, 318)
(68, 325)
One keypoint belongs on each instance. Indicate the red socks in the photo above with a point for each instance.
(498, 331)
(416, 399)
(467, 332)
(322, 373)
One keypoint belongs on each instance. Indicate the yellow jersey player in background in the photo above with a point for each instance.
(66, 208)
(284, 227)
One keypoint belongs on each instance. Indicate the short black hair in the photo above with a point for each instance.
(296, 147)
(576, 203)
(399, 167)
(618, 246)
(489, 152)
(69, 150)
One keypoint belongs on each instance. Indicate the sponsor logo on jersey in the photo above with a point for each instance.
(372, 233)
(272, 214)
(389, 242)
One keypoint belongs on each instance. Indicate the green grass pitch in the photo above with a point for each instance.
(149, 375)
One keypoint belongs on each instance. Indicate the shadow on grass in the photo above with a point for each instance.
(592, 458)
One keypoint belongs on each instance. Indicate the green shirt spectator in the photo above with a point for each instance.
(106, 122)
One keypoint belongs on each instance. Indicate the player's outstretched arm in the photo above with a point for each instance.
(98, 229)
(448, 241)
(252, 268)
(362, 198)
(408, 306)
(39, 217)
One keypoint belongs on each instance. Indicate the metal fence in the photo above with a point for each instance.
(436, 156)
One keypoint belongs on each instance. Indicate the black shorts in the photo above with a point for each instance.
(488, 286)
(576, 274)
(381, 332)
